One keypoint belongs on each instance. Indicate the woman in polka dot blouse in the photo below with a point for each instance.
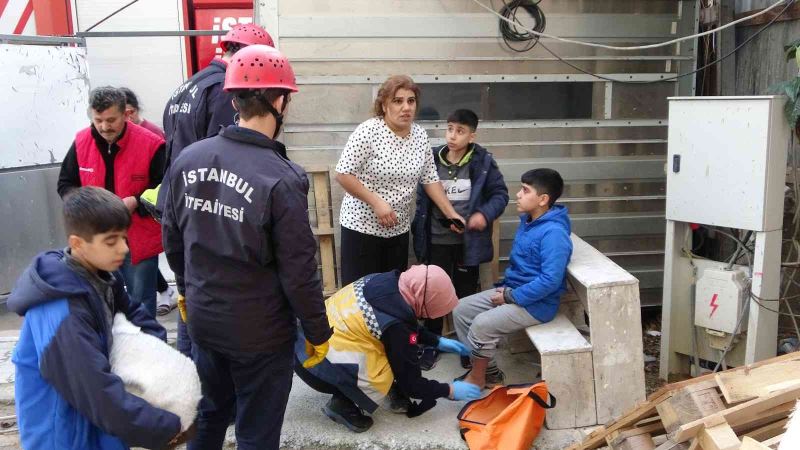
(384, 160)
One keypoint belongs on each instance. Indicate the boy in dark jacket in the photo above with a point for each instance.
(66, 395)
(477, 190)
(534, 280)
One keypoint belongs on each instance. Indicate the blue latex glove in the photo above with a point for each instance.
(465, 391)
(452, 346)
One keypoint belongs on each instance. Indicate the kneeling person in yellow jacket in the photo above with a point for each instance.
(374, 350)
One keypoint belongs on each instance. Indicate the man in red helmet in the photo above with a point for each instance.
(199, 107)
(237, 235)
(197, 110)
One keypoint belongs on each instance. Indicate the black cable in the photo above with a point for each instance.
(736, 49)
(510, 32)
(762, 306)
(110, 16)
(788, 297)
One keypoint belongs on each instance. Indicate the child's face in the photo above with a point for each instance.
(459, 136)
(531, 202)
(106, 251)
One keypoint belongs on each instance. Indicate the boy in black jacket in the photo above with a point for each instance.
(477, 190)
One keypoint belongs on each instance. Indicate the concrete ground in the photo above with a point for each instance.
(306, 427)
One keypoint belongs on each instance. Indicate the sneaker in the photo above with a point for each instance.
(430, 356)
(166, 302)
(466, 362)
(398, 403)
(343, 411)
(494, 378)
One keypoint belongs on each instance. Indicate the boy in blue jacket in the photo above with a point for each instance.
(534, 280)
(66, 395)
(477, 190)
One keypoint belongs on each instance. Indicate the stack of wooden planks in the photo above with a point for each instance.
(743, 408)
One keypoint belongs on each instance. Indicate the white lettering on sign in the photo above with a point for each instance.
(225, 24)
(223, 176)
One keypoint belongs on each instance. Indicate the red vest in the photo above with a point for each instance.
(131, 177)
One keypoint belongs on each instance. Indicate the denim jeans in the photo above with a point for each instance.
(184, 341)
(141, 280)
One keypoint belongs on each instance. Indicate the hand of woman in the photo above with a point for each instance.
(386, 215)
(452, 346)
(461, 390)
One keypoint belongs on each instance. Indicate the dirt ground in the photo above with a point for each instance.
(651, 339)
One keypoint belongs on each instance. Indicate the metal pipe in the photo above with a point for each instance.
(494, 58)
(41, 40)
(164, 33)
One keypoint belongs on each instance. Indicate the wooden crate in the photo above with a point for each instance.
(742, 408)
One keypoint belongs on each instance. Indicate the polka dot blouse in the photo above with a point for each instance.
(391, 167)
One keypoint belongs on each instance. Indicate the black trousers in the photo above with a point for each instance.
(313, 382)
(257, 386)
(161, 283)
(465, 278)
(363, 254)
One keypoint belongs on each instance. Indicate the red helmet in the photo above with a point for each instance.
(259, 67)
(246, 34)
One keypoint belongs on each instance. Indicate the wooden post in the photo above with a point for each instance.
(324, 229)
(726, 41)
(496, 247)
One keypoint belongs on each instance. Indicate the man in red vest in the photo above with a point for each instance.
(126, 159)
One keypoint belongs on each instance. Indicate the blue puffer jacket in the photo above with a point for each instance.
(66, 395)
(537, 268)
(489, 196)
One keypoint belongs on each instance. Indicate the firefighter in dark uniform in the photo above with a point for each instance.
(199, 107)
(237, 235)
(197, 110)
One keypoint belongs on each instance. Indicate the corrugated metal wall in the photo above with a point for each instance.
(610, 145)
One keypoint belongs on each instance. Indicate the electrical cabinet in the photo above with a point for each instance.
(726, 161)
(720, 298)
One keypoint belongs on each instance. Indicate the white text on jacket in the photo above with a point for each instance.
(223, 176)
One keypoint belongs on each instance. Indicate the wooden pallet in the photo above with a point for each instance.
(742, 408)
(324, 231)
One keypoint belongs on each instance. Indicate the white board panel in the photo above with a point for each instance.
(45, 94)
(150, 66)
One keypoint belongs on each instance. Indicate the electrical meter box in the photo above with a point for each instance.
(726, 161)
(720, 296)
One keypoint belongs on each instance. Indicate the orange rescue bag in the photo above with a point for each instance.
(509, 418)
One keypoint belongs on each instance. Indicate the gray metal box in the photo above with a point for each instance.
(726, 161)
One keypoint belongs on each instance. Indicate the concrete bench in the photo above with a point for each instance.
(567, 368)
(610, 297)
(595, 380)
